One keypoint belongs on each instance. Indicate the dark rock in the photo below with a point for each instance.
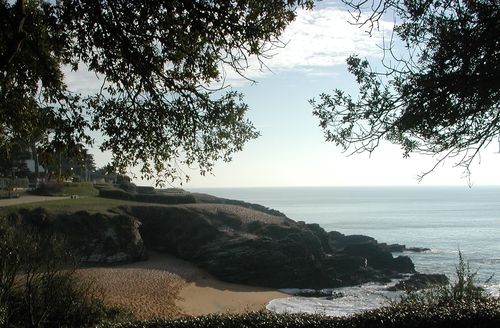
(326, 293)
(403, 264)
(417, 249)
(265, 253)
(377, 258)
(339, 240)
(265, 262)
(179, 231)
(398, 248)
(393, 248)
(420, 281)
(96, 237)
(322, 235)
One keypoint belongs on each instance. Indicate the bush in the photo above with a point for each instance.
(3, 315)
(464, 289)
(50, 188)
(38, 286)
(149, 196)
(145, 190)
(115, 194)
(484, 315)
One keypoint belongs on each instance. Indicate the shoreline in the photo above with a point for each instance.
(167, 287)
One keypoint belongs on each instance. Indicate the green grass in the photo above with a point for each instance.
(89, 204)
(55, 188)
(80, 189)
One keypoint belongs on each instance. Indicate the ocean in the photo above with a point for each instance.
(445, 219)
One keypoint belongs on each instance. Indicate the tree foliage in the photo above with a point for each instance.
(156, 60)
(439, 90)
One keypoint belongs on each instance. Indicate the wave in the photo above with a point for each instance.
(354, 300)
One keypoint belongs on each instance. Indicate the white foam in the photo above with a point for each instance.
(493, 290)
(355, 299)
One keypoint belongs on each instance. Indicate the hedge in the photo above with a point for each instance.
(461, 315)
(159, 198)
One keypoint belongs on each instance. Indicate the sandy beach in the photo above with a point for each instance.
(167, 287)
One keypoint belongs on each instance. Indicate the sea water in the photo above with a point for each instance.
(445, 219)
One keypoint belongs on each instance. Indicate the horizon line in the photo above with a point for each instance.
(340, 186)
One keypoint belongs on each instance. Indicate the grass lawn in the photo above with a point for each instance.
(79, 188)
(90, 204)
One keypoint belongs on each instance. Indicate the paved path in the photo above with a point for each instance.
(28, 199)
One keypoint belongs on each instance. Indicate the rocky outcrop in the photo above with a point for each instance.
(420, 281)
(265, 250)
(326, 293)
(235, 241)
(97, 238)
(340, 241)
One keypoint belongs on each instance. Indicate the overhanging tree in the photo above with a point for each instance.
(439, 96)
(156, 60)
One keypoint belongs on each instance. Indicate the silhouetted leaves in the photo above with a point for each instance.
(156, 61)
(441, 98)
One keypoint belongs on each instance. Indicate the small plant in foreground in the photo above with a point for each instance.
(464, 289)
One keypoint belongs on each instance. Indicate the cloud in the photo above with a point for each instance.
(324, 37)
(82, 80)
(316, 40)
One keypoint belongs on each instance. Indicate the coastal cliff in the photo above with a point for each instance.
(233, 240)
(243, 245)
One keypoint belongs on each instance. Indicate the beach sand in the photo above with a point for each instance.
(167, 287)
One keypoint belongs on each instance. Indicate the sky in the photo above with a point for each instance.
(291, 150)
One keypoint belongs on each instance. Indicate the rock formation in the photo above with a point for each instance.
(234, 241)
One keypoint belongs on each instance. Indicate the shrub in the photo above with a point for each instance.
(464, 289)
(149, 197)
(38, 287)
(254, 226)
(485, 315)
(50, 188)
(115, 194)
(145, 190)
(3, 315)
